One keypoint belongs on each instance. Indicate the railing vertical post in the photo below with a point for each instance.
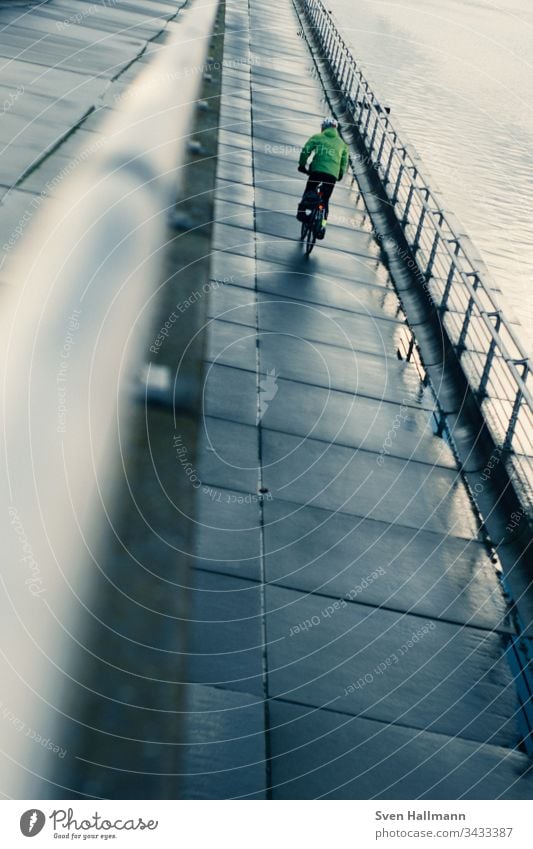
(451, 275)
(356, 95)
(311, 11)
(398, 180)
(389, 161)
(420, 223)
(324, 34)
(335, 55)
(369, 107)
(111, 267)
(466, 323)
(382, 142)
(374, 131)
(341, 73)
(329, 41)
(349, 82)
(405, 217)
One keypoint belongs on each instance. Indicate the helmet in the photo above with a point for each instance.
(329, 122)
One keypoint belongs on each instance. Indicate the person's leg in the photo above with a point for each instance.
(328, 184)
(312, 184)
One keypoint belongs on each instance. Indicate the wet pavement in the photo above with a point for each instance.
(349, 633)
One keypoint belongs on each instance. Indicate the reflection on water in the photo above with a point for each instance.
(458, 75)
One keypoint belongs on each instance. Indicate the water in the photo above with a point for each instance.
(458, 75)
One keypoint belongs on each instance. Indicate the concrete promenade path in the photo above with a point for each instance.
(349, 634)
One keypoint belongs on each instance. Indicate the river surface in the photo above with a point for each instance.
(458, 76)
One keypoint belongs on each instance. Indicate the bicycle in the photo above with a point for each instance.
(314, 223)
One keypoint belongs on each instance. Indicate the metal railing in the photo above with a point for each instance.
(74, 338)
(491, 355)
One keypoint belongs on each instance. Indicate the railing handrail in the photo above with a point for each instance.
(436, 243)
(465, 254)
(73, 337)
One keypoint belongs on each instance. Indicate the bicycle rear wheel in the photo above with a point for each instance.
(311, 234)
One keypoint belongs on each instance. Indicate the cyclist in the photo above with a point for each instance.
(329, 160)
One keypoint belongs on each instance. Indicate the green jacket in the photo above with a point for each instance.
(330, 153)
